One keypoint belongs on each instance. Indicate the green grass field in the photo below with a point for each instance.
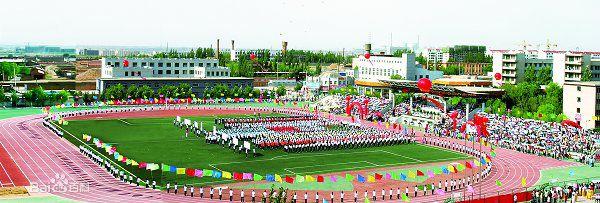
(157, 140)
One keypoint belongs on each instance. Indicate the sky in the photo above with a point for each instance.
(305, 24)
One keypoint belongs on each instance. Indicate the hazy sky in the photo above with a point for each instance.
(306, 24)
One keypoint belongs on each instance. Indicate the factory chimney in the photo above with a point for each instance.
(284, 45)
(218, 51)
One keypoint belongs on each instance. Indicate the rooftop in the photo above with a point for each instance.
(208, 78)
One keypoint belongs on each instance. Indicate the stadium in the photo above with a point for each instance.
(352, 148)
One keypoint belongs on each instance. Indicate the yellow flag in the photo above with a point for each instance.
(451, 168)
(412, 174)
(477, 163)
(180, 171)
(278, 178)
(523, 182)
(371, 179)
(226, 175)
(134, 163)
(309, 178)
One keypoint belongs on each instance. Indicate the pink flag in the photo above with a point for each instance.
(388, 176)
(440, 192)
(430, 174)
(247, 176)
(198, 173)
(470, 189)
(333, 178)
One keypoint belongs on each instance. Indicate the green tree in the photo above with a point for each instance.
(14, 99)
(9, 70)
(145, 92)
(586, 74)
(554, 95)
(132, 92)
(281, 90)
(421, 59)
(62, 96)
(184, 90)
(530, 74)
(3, 97)
(544, 75)
(298, 87)
(396, 77)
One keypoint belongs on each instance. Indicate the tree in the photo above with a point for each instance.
(9, 70)
(453, 70)
(530, 75)
(586, 74)
(554, 95)
(281, 90)
(396, 77)
(3, 97)
(544, 75)
(145, 92)
(298, 87)
(421, 59)
(14, 98)
(132, 92)
(487, 69)
(184, 90)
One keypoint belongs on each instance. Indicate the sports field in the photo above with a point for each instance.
(157, 140)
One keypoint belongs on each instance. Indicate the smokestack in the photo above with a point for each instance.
(232, 45)
(218, 51)
(284, 45)
(368, 48)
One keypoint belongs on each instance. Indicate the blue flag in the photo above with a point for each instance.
(445, 170)
(360, 178)
(403, 177)
(270, 178)
(483, 162)
(217, 174)
(172, 169)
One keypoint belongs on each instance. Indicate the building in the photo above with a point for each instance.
(581, 103)
(567, 66)
(155, 72)
(163, 67)
(382, 67)
(89, 52)
(436, 55)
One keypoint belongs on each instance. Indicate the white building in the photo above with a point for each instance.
(436, 55)
(567, 66)
(382, 67)
(162, 68)
(581, 103)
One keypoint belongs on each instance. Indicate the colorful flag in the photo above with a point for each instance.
(257, 177)
(238, 176)
(404, 198)
(270, 178)
(309, 178)
(445, 170)
(371, 179)
(299, 178)
(493, 153)
(498, 183)
(477, 163)
(206, 172)
(333, 178)
(134, 163)
(226, 175)
(142, 165)
(412, 174)
(190, 172)
(430, 174)
(180, 171)
(523, 182)
(420, 173)
(320, 179)
(198, 173)
(289, 179)
(247, 176)
(451, 168)
(278, 178)
(378, 176)
(349, 177)
(468, 165)
(217, 174)
(360, 178)
(388, 176)
(402, 176)
(166, 168)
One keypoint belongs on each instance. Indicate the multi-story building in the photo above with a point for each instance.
(567, 66)
(382, 67)
(155, 72)
(581, 103)
(436, 55)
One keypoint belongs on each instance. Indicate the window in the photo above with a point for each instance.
(176, 72)
(201, 64)
(126, 73)
(139, 73)
(191, 64)
(215, 65)
(578, 99)
(117, 64)
(144, 63)
(184, 65)
(151, 64)
(168, 65)
(160, 65)
(184, 72)
(168, 72)
(578, 110)
(108, 63)
(579, 88)
(176, 64)
(134, 64)
(160, 72)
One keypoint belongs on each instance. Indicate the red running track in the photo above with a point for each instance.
(10, 173)
(45, 158)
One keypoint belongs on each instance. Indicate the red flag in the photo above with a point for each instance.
(420, 173)
(142, 165)
(320, 179)
(378, 176)
(289, 179)
(239, 176)
(468, 165)
(190, 172)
